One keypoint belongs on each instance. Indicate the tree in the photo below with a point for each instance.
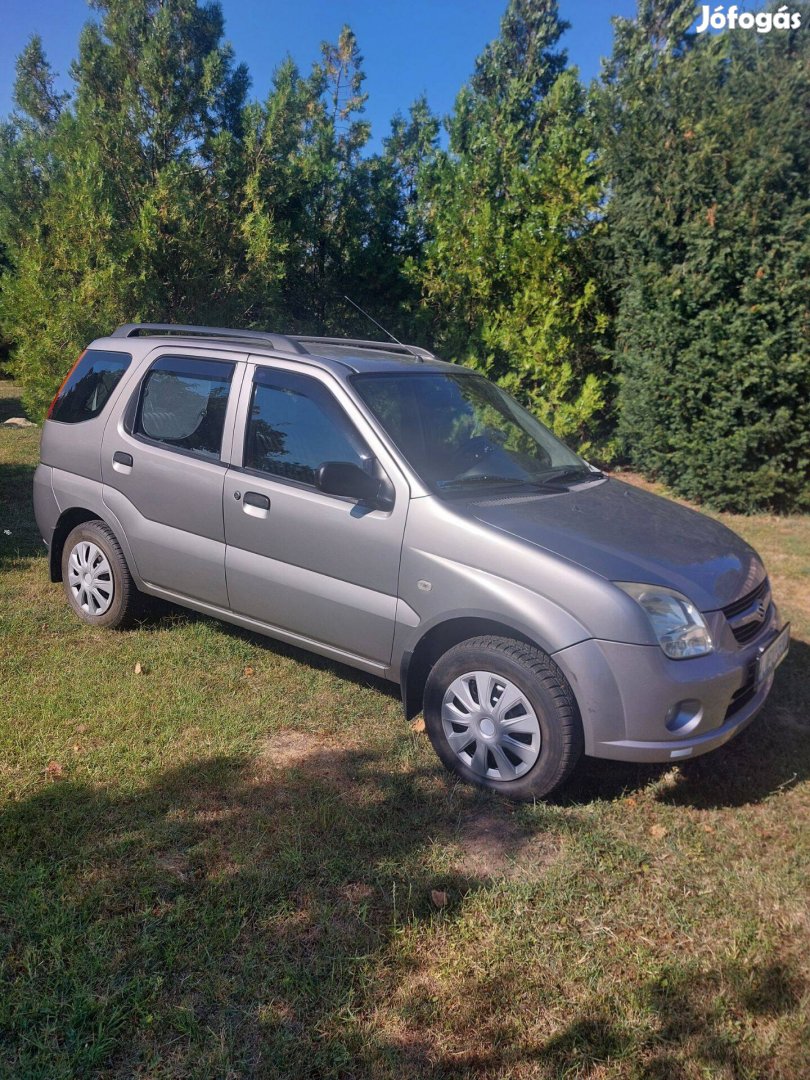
(397, 228)
(341, 219)
(706, 143)
(513, 217)
(26, 166)
(334, 212)
(136, 192)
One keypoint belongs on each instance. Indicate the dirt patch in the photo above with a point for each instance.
(318, 755)
(291, 747)
(175, 864)
(357, 892)
(493, 846)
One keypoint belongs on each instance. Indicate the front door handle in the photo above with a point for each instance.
(255, 504)
(253, 498)
(122, 462)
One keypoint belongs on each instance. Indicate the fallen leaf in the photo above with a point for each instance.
(658, 832)
(249, 671)
(76, 748)
(707, 827)
(54, 770)
(138, 668)
(439, 897)
(418, 724)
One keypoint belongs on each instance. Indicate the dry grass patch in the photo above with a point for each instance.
(494, 846)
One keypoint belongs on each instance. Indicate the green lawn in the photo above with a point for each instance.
(223, 867)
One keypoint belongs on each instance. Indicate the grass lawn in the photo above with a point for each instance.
(223, 866)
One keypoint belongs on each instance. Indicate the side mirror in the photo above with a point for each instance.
(347, 479)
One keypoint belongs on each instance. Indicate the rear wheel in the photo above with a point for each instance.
(96, 578)
(501, 714)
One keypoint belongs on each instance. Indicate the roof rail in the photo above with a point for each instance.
(359, 343)
(277, 341)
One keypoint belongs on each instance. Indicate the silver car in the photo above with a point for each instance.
(405, 516)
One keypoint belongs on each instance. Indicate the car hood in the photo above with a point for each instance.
(626, 534)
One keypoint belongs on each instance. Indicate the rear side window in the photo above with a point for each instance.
(182, 404)
(295, 425)
(87, 388)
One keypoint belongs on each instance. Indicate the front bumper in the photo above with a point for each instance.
(637, 705)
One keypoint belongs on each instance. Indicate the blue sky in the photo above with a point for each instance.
(410, 47)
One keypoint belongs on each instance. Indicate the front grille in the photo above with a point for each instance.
(747, 615)
(746, 601)
(741, 697)
(747, 633)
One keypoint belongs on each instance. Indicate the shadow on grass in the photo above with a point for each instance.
(10, 406)
(245, 916)
(687, 1028)
(221, 921)
(19, 536)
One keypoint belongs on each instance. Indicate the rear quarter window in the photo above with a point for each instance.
(87, 388)
(182, 404)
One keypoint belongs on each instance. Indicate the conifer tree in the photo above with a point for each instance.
(513, 215)
(134, 218)
(706, 141)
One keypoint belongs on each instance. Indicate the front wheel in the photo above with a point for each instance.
(501, 714)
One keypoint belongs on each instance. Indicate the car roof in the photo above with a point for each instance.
(340, 355)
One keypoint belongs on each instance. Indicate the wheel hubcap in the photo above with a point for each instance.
(90, 578)
(490, 725)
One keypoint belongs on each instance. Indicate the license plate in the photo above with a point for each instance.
(773, 655)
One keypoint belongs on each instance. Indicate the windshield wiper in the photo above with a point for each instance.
(570, 472)
(483, 478)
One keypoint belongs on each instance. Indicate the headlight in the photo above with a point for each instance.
(679, 626)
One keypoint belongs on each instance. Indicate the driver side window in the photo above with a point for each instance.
(295, 425)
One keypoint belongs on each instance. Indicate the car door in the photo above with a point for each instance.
(163, 469)
(318, 568)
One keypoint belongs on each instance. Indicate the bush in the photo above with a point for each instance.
(710, 216)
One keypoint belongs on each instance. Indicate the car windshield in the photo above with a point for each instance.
(459, 431)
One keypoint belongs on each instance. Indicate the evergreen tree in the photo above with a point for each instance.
(27, 163)
(342, 221)
(706, 142)
(135, 218)
(334, 219)
(397, 229)
(513, 216)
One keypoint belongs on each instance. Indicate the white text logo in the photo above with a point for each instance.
(761, 21)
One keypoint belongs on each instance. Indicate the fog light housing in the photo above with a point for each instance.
(684, 716)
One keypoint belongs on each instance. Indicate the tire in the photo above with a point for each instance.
(96, 578)
(500, 714)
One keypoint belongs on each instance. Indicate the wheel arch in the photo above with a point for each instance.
(417, 662)
(68, 520)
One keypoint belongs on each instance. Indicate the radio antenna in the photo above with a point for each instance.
(378, 325)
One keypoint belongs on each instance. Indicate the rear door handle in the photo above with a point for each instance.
(122, 462)
(255, 504)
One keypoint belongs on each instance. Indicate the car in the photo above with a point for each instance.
(403, 515)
